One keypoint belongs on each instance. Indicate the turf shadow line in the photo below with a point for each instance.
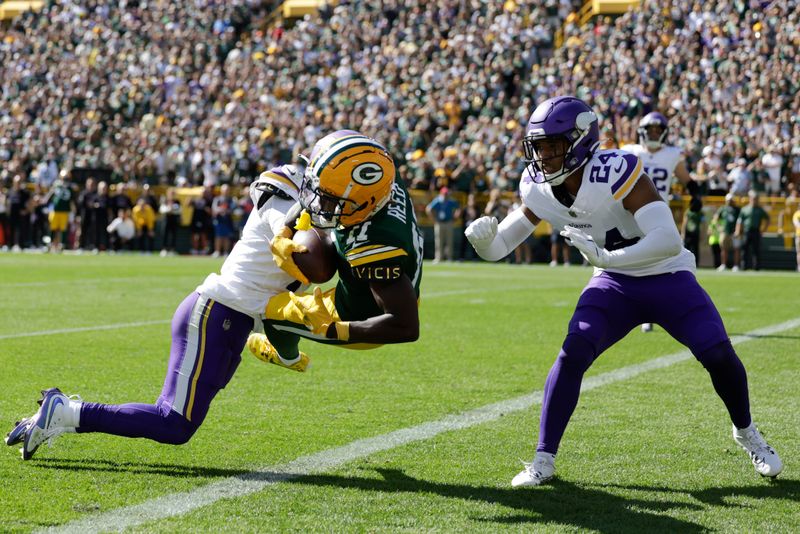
(770, 488)
(137, 468)
(558, 503)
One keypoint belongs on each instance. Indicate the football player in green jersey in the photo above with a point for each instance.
(350, 186)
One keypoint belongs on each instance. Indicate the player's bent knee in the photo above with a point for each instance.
(577, 352)
(719, 354)
(177, 430)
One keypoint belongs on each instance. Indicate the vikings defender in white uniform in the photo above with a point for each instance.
(662, 163)
(209, 331)
(609, 209)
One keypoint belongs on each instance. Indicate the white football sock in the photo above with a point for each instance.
(72, 414)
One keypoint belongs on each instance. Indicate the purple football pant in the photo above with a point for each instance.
(610, 306)
(207, 341)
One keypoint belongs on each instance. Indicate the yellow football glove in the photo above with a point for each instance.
(304, 221)
(317, 317)
(282, 248)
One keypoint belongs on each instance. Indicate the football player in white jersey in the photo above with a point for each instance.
(662, 163)
(209, 331)
(608, 208)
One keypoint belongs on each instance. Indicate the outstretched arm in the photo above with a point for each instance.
(399, 322)
(493, 241)
(661, 238)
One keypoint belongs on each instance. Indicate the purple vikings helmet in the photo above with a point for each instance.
(567, 117)
(653, 118)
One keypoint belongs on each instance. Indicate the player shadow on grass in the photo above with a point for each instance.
(717, 496)
(139, 468)
(559, 502)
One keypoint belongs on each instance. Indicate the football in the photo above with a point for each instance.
(319, 263)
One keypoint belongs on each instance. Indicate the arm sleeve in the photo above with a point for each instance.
(274, 213)
(514, 229)
(661, 238)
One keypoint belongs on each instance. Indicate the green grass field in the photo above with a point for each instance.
(648, 453)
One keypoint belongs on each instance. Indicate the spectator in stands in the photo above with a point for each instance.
(222, 208)
(772, 161)
(40, 211)
(469, 213)
(726, 217)
(202, 222)
(790, 204)
(794, 167)
(144, 221)
(121, 231)
(219, 102)
(690, 228)
(171, 212)
(149, 197)
(444, 210)
(101, 214)
(751, 223)
(19, 211)
(121, 200)
(5, 232)
(86, 201)
(740, 178)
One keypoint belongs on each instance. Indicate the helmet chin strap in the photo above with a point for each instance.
(653, 145)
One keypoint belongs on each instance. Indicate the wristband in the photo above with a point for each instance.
(342, 330)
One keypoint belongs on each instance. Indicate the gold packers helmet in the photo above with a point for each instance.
(348, 179)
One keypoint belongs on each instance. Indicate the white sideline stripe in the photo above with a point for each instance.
(238, 486)
(83, 329)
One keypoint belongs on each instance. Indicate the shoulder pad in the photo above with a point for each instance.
(620, 170)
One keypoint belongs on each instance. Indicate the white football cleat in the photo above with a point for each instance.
(764, 458)
(48, 423)
(539, 471)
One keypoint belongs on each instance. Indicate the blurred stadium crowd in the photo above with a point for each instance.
(206, 92)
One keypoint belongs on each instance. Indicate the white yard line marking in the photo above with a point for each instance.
(238, 486)
(83, 329)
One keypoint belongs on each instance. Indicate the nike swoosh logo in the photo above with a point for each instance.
(621, 163)
(50, 411)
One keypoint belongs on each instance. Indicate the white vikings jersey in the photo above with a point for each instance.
(249, 277)
(598, 211)
(659, 165)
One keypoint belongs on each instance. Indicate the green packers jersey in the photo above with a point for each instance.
(62, 198)
(384, 248)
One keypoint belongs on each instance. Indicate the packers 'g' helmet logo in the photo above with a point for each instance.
(367, 173)
(348, 179)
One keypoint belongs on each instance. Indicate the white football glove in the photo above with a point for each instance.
(481, 232)
(597, 256)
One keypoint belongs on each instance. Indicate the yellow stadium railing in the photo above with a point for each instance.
(13, 9)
